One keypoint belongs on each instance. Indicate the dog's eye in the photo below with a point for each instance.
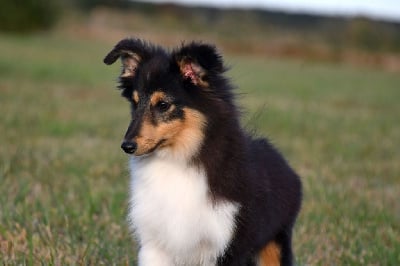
(163, 106)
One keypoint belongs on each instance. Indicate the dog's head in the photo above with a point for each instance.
(167, 92)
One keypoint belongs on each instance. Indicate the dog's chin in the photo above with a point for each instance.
(143, 154)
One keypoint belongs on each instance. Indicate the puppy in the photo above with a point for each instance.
(203, 191)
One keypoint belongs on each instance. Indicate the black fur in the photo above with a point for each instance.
(239, 168)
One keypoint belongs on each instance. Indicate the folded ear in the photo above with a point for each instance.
(198, 62)
(131, 52)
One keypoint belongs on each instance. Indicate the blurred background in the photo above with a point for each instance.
(359, 32)
(320, 79)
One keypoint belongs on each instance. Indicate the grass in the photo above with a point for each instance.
(63, 193)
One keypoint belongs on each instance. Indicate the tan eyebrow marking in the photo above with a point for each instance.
(156, 97)
(135, 96)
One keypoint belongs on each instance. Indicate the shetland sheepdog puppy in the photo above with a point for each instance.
(203, 191)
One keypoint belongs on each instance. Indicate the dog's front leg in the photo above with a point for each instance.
(153, 256)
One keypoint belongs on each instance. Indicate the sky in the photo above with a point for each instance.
(378, 9)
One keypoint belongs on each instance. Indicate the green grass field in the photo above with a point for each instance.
(64, 179)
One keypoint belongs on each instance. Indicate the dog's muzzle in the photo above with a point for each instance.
(129, 146)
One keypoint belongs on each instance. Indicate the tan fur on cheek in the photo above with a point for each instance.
(187, 141)
(182, 136)
(151, 135)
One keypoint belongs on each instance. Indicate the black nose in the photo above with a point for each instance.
(129, 146)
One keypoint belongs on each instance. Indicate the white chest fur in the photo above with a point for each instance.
(171, 213)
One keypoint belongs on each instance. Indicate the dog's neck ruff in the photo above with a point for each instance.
(172, 214)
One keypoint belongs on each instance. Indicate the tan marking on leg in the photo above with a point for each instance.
(270, 255)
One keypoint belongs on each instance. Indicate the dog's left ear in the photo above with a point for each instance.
(132, 52)
(198, 62)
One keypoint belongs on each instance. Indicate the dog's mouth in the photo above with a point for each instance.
(142, 150)
(158, 144)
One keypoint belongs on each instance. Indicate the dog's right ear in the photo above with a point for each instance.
(132, 52)
(198, 62)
